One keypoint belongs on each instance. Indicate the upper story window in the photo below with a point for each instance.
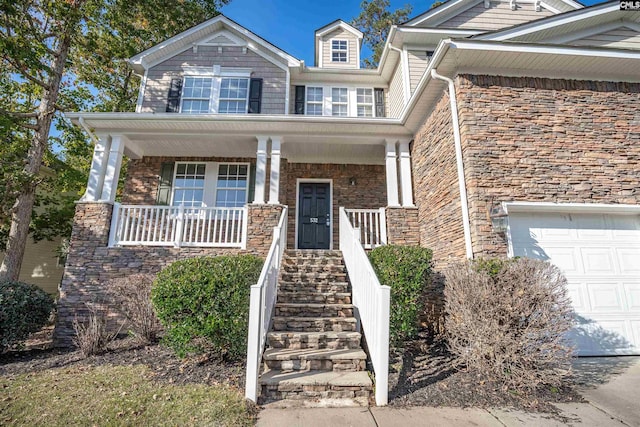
(216, 91)
(339, 101)
(364, 102)
(315, 99)
(234, 94)
(196, 95)
(210, 184)
(339, 51)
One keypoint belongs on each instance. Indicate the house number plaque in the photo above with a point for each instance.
(313, 220)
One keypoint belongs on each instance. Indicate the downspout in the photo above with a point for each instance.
(458, 145)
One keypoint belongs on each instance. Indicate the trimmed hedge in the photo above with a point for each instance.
(204, 304)
(407, 270)
(24, 309)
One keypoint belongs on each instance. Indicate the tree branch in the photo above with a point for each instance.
(22, 69)
(18, 115)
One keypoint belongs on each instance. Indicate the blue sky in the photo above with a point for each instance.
(290, 24)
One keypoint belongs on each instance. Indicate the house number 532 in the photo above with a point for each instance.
(313, 220)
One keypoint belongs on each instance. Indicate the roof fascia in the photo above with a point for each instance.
(595, 29)
(441, 11)
(338, 23)
(550, 22)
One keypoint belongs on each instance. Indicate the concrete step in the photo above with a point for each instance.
(315, 297)
(313, 310)
(314, 324)
(317, 388)
(315, 359)
(318, 340)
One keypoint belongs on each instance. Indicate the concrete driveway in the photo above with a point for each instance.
(610, 384)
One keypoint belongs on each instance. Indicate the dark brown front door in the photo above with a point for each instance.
(314, 216)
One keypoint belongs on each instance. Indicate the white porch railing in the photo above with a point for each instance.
(178, 226)
(263, 299)
(372, 224)
(372, 301)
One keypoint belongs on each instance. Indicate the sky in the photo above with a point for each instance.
(290, 24)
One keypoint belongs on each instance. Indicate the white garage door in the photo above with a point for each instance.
(600, 256)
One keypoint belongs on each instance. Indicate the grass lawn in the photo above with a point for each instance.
(116, 395)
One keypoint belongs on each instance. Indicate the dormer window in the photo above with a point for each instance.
(339, 51)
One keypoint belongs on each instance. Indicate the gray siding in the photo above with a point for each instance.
(40, 265)
(352, 57)
(498, 15)
(623, 38)
(159, 76)
(395, 95)
(417, 64)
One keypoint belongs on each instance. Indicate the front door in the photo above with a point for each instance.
(314, 216)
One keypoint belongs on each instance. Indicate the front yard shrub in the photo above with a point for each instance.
(24, 309)
(407, 270)
(204, 303)
(507, 321)
(132, 297)
(92, 336)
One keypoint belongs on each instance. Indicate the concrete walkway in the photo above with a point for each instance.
(611, 385)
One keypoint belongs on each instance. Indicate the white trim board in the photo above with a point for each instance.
(603, 208)
(295, 211)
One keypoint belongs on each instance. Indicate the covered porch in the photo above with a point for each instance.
(196, 181)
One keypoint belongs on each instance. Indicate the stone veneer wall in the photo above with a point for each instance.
(544, 140)
(91, 264)
(402, 226)
(370, 191)
(436, 187)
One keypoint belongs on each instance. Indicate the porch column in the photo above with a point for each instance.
(98, 169)
(405, 174)
(112, 172)
(261, 169)
(392, 173)
(274, 177)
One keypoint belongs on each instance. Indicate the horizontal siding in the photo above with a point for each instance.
(352, 42)
(621, 38)
(159, 76)
(395, 95)
(417, 64)
(40, 265)
(498, 15)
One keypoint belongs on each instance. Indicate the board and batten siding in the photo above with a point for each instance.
(395, 95)
(623, 38)
(353, 61)
(417, 65)
(499, 15)
(159, 76)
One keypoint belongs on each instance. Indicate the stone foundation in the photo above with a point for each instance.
(402, 226)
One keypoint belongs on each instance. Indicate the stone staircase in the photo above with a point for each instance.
(313, 355)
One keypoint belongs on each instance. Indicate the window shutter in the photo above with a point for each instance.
(252, 183)
(299, 107)
(164, 184)
(173, 99)
(255, 96)
(379, 98)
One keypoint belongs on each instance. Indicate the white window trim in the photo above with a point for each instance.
(216, 73)
(210, 180)
(372, 104)
(346, 51)
(349, 102)
(306, 100)
(352, 93)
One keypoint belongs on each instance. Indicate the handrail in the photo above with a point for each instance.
(178, 226)
(372, 301)
(372, 224)
(263, 299)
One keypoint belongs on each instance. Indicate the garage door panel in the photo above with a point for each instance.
(600, 256)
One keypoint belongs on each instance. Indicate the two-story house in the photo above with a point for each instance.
(490, 128)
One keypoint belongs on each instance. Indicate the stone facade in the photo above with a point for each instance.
(91, 264)
(402, 226)
(544, 140)
(523, 139)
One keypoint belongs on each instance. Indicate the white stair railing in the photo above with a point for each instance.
(372, 301)
(178, 226)
(372, 224)
(263, 299)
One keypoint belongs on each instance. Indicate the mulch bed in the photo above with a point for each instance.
(165, 365)
(424, 373)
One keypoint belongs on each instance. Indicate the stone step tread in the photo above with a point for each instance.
(327, 334)
(311, 305)
(331, 378)
(313, 354)
(315, 319)
(300, 284)
(307, 292)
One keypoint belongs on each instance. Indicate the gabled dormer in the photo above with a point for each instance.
(338, 46)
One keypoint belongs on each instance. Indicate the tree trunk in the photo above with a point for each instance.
(22, 209)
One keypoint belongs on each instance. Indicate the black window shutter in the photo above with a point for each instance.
(255, 96)
(299, 108)
(173, 99)
(379, 97)
(164, 184)
(252, 183)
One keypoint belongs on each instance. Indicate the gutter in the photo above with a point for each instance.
(460, 166)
